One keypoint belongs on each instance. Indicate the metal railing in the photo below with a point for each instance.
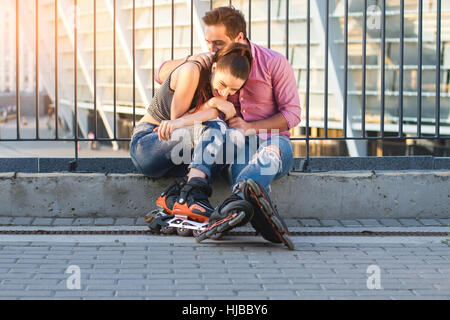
(321, 11)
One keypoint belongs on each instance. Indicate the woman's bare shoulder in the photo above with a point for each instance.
(188, 72)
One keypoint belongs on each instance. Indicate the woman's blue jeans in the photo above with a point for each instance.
(211, 148)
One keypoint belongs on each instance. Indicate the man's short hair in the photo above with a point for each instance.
(231, 18)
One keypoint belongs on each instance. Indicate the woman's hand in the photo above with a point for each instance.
(166, 128)
(224, 106)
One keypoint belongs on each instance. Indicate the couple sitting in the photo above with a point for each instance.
(245, 97)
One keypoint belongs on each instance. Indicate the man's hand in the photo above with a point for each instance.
(224, 106)
(205, 59)
(241, 124)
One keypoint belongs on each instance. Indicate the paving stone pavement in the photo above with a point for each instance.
(239, 267)
(171, 267)
(295, 223)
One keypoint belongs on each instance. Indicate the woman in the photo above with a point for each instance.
(190, 95)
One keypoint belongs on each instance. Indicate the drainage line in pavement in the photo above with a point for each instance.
(364, 233)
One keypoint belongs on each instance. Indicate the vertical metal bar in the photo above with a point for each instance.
(308, 72)
(346, 70)
(364, 73)
(37, 68)
(287, 30)
(115, 67)
(95, 72)
(18, 69)
(325, 104)
(153, 48)
(134, 63)
(192, 27)
(268, 23)
(438, 67)
(56, 71)
(419, 80)
(75, 54)
(402, 65)
(172, 32)
(383, 70)
(250, 19)
(210, 4)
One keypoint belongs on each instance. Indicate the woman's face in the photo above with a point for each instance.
(224, 84)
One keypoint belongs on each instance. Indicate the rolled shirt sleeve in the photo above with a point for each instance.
(285, 91)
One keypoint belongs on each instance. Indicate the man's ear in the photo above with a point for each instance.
(240, 38)
(213, 67)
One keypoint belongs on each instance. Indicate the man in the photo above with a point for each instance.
(267, 105)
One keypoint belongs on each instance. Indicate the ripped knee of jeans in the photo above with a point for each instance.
(269, 159)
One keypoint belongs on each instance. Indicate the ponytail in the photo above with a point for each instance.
(236, 58)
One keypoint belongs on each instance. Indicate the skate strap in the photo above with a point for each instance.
(196, 192)
(200, 191)
(177, 184)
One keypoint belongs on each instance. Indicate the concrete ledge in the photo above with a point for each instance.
(316, 164)
(322, 164)
(333, 195)
(83, 165)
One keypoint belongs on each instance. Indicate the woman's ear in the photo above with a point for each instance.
(213, 68)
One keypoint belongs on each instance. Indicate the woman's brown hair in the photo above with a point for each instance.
(235, 58)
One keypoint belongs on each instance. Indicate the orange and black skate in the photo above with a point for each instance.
(190, 212)
(193, 200)
(192, 208)
(157, 219)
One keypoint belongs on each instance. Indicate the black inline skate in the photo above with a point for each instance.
(266, 219)
(232, 213)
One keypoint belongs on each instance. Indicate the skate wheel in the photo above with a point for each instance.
(274, 219)
(167, 230)
(278, 224)
(217, 236)
(196, 233)
(184, 232)
(237, 219)
(211, 232)
(270, 215)
(201, 237)
(288, 242)
(149, 218)
(254, 187)
(265, 205)
(223, 227)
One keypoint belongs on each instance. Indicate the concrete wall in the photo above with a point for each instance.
(333, 195)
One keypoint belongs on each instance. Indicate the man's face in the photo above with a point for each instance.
(216, 37)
